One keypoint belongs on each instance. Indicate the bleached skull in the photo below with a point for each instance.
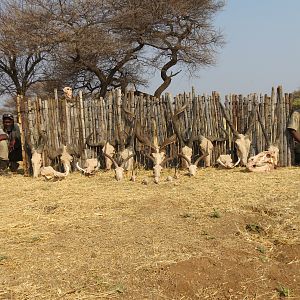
(157, 170)
(225, 161)
(264, 161)
(243, 144)
(128, 166)
(188, 152)
(68, 92)
(158, 157)
(192, 170)
(206, 146)
(36, 161)
(110, 150)
(91, 166)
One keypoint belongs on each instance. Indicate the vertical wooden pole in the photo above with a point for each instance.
(20, 108)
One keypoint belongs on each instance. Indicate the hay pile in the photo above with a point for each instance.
(225, 234)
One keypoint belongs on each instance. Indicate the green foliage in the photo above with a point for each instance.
(283, 291)
(296, 103)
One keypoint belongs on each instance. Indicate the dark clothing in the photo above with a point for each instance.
(14, 143)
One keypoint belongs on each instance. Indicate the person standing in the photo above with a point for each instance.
(14, 145)
(294, 129)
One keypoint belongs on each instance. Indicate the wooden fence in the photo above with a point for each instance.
(71, 121)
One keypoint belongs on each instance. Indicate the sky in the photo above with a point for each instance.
(262, 50)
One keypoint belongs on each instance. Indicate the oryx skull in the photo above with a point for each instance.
(242, 141)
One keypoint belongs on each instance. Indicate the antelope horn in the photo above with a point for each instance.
(148, 155)
(193, 136)
(168, 141)
(200, 158)
(176, 125)
(185, 158)
(67, 171)
(237, 163)
(220, 162)
(166, 160)
(234, 131)
(109, 157)
(142, 139)
(79, 168)
(90, 144)
(126, 159)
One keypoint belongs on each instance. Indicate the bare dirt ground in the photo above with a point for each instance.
(225, 234)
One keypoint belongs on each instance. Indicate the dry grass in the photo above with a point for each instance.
(225, 234)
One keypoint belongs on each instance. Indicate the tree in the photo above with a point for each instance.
(24, 49)
(90, 52)
(180, 32)
(110, 43)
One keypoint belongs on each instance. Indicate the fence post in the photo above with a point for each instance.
(20, 108)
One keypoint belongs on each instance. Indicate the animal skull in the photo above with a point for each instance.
(91, 166)
(226, 161)
(128, 166)
(36, 161)
(50, 174)
(68, 92)
(36, 153)
(119, 169)
(264, 161)
(187, 152)
(192, 167)
(158, 157)
(206, 146)
(243, 144)
(157, 170)
(66, 158)
(109, 150)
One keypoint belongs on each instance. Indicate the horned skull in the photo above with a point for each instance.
(243, 144)
(119, 169)
(66, 158)
(109, 150)
(192, 167)
(36, 158)
(187, 152)
(242, 141)
(128, 166)
(206, 146)
(91, 166)
(225, 161)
